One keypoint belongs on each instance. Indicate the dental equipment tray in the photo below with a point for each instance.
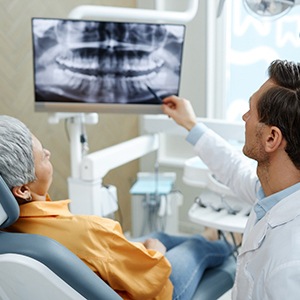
(151, 183)
(221, 220)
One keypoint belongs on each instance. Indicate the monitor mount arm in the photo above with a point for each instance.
(86, 191)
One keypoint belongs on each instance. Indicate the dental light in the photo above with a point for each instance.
(269, 9)
(265, 9)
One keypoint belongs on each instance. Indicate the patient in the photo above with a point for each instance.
(162, 267)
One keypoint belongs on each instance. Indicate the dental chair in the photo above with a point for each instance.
(37, 267)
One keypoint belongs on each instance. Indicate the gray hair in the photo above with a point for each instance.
(16, 152)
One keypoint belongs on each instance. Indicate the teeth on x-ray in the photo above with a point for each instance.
(105, 61)
(120, 65)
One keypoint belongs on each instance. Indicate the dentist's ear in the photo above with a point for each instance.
(274, 139)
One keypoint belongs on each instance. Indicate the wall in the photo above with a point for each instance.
(16, 96)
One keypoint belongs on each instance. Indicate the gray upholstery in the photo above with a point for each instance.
(60, 260)
(10, 206)
(216, 281)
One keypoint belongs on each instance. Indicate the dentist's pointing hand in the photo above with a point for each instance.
(180, 110)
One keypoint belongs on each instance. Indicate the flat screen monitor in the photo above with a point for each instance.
(100, 66)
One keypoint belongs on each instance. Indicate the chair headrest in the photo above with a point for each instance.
(9, 208)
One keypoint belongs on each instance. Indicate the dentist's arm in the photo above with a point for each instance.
(228, 164)
(180, 110)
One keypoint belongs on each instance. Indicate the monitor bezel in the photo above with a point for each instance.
(85, 107)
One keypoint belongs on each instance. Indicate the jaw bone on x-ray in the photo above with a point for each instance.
(106, 62)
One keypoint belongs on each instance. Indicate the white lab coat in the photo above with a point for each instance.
(269, 261)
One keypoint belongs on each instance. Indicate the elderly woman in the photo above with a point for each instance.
(162, 267)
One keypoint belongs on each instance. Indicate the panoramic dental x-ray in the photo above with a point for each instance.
(106, 62)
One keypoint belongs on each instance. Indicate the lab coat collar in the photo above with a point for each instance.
(286, 210)
(283, 212)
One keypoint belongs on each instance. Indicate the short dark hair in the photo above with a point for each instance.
(280, 105)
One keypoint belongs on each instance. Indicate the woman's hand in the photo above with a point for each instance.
(155, 244)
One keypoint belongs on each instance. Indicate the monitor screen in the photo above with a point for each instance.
(100, 66)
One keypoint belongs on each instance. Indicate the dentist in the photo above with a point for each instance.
(269, 260)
